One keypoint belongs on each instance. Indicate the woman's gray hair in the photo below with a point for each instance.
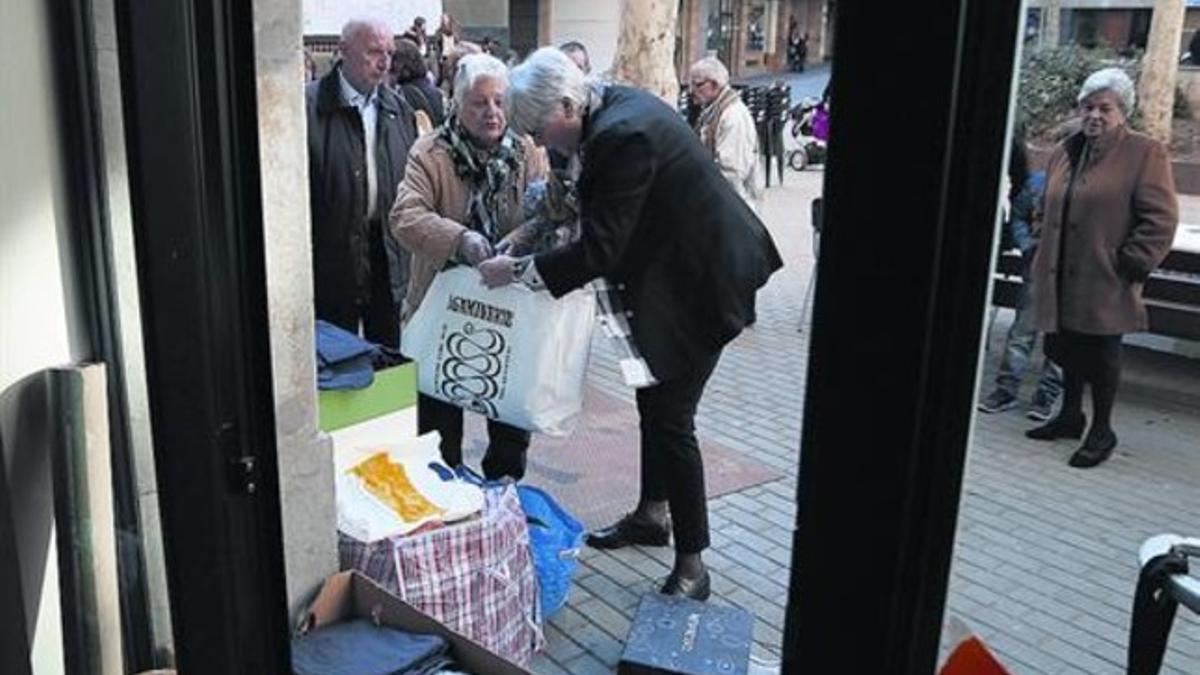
(711, 68)
(538, 86)
(473, 67)
(1114, 80)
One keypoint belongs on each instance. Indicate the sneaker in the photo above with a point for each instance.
(997, 401)
(1041, 408)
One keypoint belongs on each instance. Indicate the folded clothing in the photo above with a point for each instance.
(360, 647)
(344, 360)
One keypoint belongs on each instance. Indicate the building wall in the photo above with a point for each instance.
(35, 320)
(326, 17)
(595, 24)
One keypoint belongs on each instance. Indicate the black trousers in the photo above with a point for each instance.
(507, 445)
(1087, 359)
(378, 313)
(672, 468)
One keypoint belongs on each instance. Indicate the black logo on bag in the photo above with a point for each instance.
(470, 374)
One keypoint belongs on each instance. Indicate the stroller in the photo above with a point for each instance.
(809, 133)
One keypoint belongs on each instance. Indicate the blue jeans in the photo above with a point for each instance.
(1018, 349)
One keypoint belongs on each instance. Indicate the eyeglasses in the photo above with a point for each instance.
(697, 84)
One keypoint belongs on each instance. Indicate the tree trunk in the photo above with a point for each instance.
(646, 47)
(1156, 88)
(1051, 12)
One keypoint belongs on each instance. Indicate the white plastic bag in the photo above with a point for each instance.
(515, 355)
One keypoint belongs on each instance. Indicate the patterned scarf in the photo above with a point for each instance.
(490, 175)
(710, 117)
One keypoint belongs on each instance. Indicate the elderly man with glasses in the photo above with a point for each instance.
(727, 129)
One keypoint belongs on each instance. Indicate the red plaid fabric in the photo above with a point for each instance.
(476, 578)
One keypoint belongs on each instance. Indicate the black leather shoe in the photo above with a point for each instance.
(1095, 449)
(630, 531)
(1059, 427)
(696, 589)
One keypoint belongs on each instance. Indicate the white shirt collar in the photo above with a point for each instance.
(353, 96)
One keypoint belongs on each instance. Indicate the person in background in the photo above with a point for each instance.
(410, 76)
(440, 45)
(1025, 194)
(461, 195)
(683, 271)
(310, 66)
(450, 64)
(1109, 220)
(727, 129)
(416, 35)
(578, 54)
(359, 134)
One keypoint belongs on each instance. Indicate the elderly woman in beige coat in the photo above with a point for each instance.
(460, 197)
(1110, 215)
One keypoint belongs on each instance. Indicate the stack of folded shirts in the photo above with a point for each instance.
(360, 647)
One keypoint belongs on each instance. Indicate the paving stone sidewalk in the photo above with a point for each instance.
(1045, 562)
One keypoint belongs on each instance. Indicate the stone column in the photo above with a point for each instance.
(305, 455)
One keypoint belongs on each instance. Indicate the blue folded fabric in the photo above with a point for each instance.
(343, 358)
(359, 647)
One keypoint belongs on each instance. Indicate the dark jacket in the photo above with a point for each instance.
(1120, 222)
(661, 222)
(422, 95)
(337, 178)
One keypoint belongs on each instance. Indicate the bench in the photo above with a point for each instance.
(1172, 293)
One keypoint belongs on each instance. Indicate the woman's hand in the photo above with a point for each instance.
(473, 248)
(498, 271)
(518, 242)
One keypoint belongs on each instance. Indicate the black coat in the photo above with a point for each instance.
(661, 222)
(422, 95)
(337, 178)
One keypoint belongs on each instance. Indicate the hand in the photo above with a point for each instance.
(497, 271)
(473, 248)
(516, 243)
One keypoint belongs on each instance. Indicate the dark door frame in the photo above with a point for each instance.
(920, 117)
(90, 276)
(188, 88)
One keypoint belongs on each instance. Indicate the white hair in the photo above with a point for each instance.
(536, 88)
(354, 26)
(474, 67)
(712, 68)
(1114, 80)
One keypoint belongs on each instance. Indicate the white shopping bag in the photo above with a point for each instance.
(513, 354)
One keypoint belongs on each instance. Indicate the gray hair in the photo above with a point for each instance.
(538, 86)
(1114, 80)
(711, 68)
(353, 27)
(474, 67)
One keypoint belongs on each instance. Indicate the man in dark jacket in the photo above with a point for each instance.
(685, 256)
(359, 133)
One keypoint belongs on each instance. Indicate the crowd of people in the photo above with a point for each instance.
(423, 152)
(1091, 228)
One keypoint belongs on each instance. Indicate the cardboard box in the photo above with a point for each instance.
(349, 595)
(685, 637)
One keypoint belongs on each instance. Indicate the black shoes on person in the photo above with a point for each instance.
(1063, 426)
(681, 586)
(630, 530)
(1096, 448)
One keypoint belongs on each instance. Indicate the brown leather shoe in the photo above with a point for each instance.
(696, 589)
(630, 531)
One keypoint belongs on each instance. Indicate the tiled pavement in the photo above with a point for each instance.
(1046, 556)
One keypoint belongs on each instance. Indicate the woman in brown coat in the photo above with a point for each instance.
(1109, 219)
(461, 195)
